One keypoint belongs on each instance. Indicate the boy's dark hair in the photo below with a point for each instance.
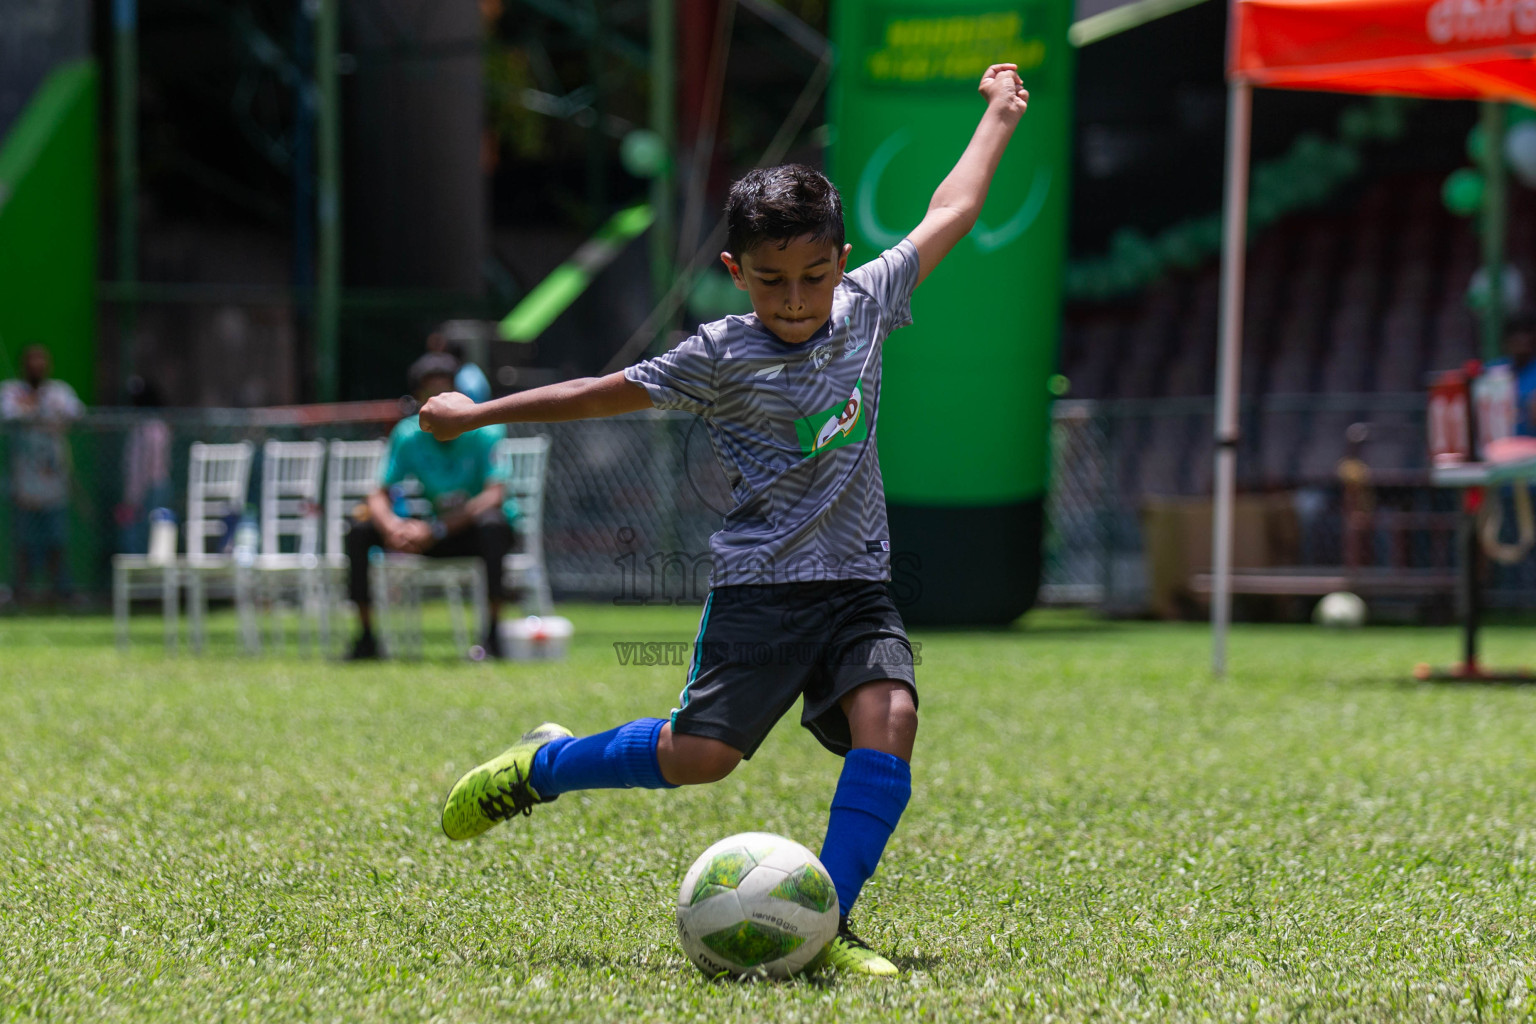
(780, 204)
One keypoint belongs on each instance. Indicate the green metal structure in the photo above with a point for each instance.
(564, 285)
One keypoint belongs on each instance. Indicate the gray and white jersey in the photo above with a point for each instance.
(793, 426)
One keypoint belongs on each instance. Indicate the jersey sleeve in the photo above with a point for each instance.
(683, 378)
(395, 467)
(890, 279)
(491, 472)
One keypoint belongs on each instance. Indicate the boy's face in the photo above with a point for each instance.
(791, 287)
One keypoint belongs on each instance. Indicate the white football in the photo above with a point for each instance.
(1340, 610)
(756, 904)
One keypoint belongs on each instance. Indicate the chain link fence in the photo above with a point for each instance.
(631, 501)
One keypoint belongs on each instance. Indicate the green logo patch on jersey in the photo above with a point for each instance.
(842, 424)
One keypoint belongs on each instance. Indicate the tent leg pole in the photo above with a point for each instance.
(1229, 363)
(1495, 216)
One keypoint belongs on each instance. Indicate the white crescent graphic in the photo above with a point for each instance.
(869, 184)
(986, 239)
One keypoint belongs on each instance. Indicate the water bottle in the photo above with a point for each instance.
(246, 539)
(162, 537)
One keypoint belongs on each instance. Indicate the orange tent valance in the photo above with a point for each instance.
(1447, 49)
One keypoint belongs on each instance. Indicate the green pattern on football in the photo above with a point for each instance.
(704, 892)
(749, 943)
(725, 871)
(807, 887)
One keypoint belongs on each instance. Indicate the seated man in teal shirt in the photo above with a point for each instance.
(470, 512)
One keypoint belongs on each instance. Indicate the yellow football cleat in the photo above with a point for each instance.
(846, 952)
(498, 789)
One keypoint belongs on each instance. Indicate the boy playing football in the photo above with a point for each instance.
(789, 394)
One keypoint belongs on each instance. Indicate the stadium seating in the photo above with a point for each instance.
(1348, 311)
(1367, 299)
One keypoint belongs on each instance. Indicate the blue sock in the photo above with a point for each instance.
(620, 758)
(871, 794)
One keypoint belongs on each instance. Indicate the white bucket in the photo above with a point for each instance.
(536, 638)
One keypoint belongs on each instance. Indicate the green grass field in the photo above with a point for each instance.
(1099, 830)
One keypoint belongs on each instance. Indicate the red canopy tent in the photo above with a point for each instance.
(1445, 49)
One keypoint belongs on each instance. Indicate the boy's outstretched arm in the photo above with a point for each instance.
(957, 201)
(448, 415)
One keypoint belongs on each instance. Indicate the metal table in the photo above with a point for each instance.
(1473, 478)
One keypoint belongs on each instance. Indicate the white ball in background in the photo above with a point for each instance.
(1340, 610)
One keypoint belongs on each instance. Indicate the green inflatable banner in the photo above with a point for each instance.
(964, 431)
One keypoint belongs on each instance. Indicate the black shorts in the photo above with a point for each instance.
(761, 647)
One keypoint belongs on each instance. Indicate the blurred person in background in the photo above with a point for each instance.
(42, 410)
(1520, 347)
(470, 513)
(146, 469)
(468, 379)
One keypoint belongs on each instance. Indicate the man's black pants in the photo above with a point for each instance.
(488, 538)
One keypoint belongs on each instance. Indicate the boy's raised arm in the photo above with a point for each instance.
(957, 201)
(448, 415)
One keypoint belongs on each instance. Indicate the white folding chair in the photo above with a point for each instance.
(351, 474)
(524, 462)
(398, 582)
(218, 480)
(136, 576)
(289, 561)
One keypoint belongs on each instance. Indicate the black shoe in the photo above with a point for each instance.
(492, 644)
(364, 648)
